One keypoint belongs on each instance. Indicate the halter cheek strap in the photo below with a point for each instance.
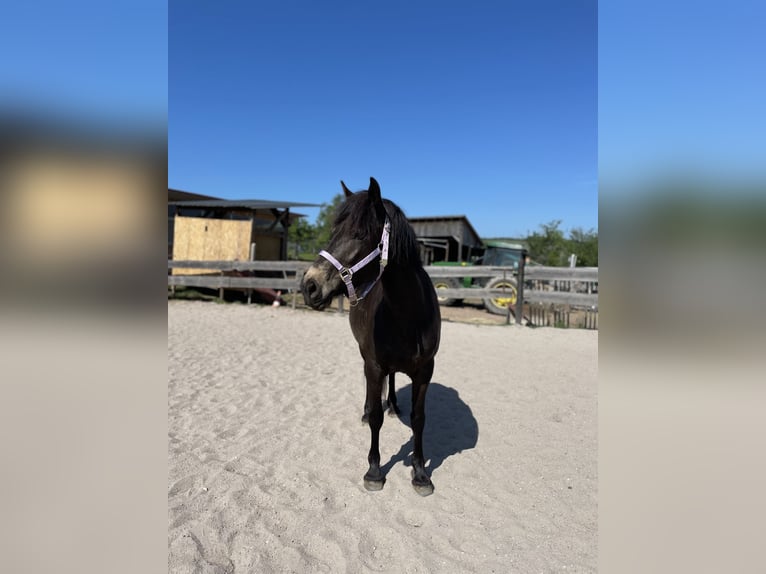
(347, 273)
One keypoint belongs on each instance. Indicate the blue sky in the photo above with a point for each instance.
(681, 90)
(485, 109)
(88, 60)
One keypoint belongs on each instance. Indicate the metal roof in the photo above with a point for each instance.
(425, 230)
(242, 204)
(506, 244)
(180, 195)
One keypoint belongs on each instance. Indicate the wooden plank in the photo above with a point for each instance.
(561, 273)
(210, 239)
(479, 271)
(294, 266)
(529, 295)
(562, 297)
(584, 274)
(220, 282)
(466, 293)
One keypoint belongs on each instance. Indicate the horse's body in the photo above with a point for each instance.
(394, 311)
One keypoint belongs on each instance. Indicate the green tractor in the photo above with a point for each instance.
(495, 253)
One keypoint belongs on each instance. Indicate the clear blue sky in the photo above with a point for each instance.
(682, 89)
(487, 109)
(100, 63)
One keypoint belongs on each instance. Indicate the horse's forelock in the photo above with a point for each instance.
(357, 217)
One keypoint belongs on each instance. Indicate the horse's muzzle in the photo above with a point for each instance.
(312, 294)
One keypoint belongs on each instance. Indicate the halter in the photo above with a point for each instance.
(347, 273)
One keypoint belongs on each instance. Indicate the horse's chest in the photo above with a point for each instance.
(396, 344)
(399, 349)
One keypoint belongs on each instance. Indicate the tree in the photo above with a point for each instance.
(326, 218)
(584, 244)
(304, 239)
(301, 237)
(548, 245)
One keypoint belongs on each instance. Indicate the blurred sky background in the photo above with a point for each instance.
(485, 109)
(681, 94)
(97, 64)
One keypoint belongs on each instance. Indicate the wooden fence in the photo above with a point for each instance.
(282, 275)
(541, 288)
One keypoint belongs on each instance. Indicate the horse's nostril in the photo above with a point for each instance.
(310, 287)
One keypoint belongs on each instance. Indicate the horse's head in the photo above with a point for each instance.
(350, 264)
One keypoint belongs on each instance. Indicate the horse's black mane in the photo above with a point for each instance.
(357, 218)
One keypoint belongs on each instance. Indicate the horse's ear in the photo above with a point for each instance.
(376, 199)
(346, 191)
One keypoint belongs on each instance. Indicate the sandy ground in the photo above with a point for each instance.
(266, 450)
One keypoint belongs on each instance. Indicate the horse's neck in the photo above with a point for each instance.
(401, 287)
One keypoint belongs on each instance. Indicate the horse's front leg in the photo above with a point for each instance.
(420, 380)
(391, 404)
(374, 478)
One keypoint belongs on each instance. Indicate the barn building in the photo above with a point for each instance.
(446, 238)
(206, 228)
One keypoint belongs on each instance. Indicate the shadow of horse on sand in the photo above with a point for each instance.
(450, 427)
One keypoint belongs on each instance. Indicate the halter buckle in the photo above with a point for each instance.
(345, 274)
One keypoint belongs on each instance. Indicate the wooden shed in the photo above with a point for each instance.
(203, 228)
(445, 238)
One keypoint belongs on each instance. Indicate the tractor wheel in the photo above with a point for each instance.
(499, 305)
(446, 283)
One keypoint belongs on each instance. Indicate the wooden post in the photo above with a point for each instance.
(252, 258)
(520, 288)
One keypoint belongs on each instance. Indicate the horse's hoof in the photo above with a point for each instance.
(423, 486)
(423, 489)
(374, 485)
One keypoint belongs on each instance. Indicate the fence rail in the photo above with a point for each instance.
(533, 286)
(228, 282)
(561, 294)
(289, 266)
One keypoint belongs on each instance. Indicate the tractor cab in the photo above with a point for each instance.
(501, 253)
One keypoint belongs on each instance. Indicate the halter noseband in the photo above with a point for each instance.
(347, 273)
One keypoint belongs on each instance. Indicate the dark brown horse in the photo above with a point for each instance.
(373, 258)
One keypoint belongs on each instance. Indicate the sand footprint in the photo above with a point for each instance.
(414, 517)
(186, 485)
(211, 556)
(379, 548)
(451, 504)
(243, 466)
